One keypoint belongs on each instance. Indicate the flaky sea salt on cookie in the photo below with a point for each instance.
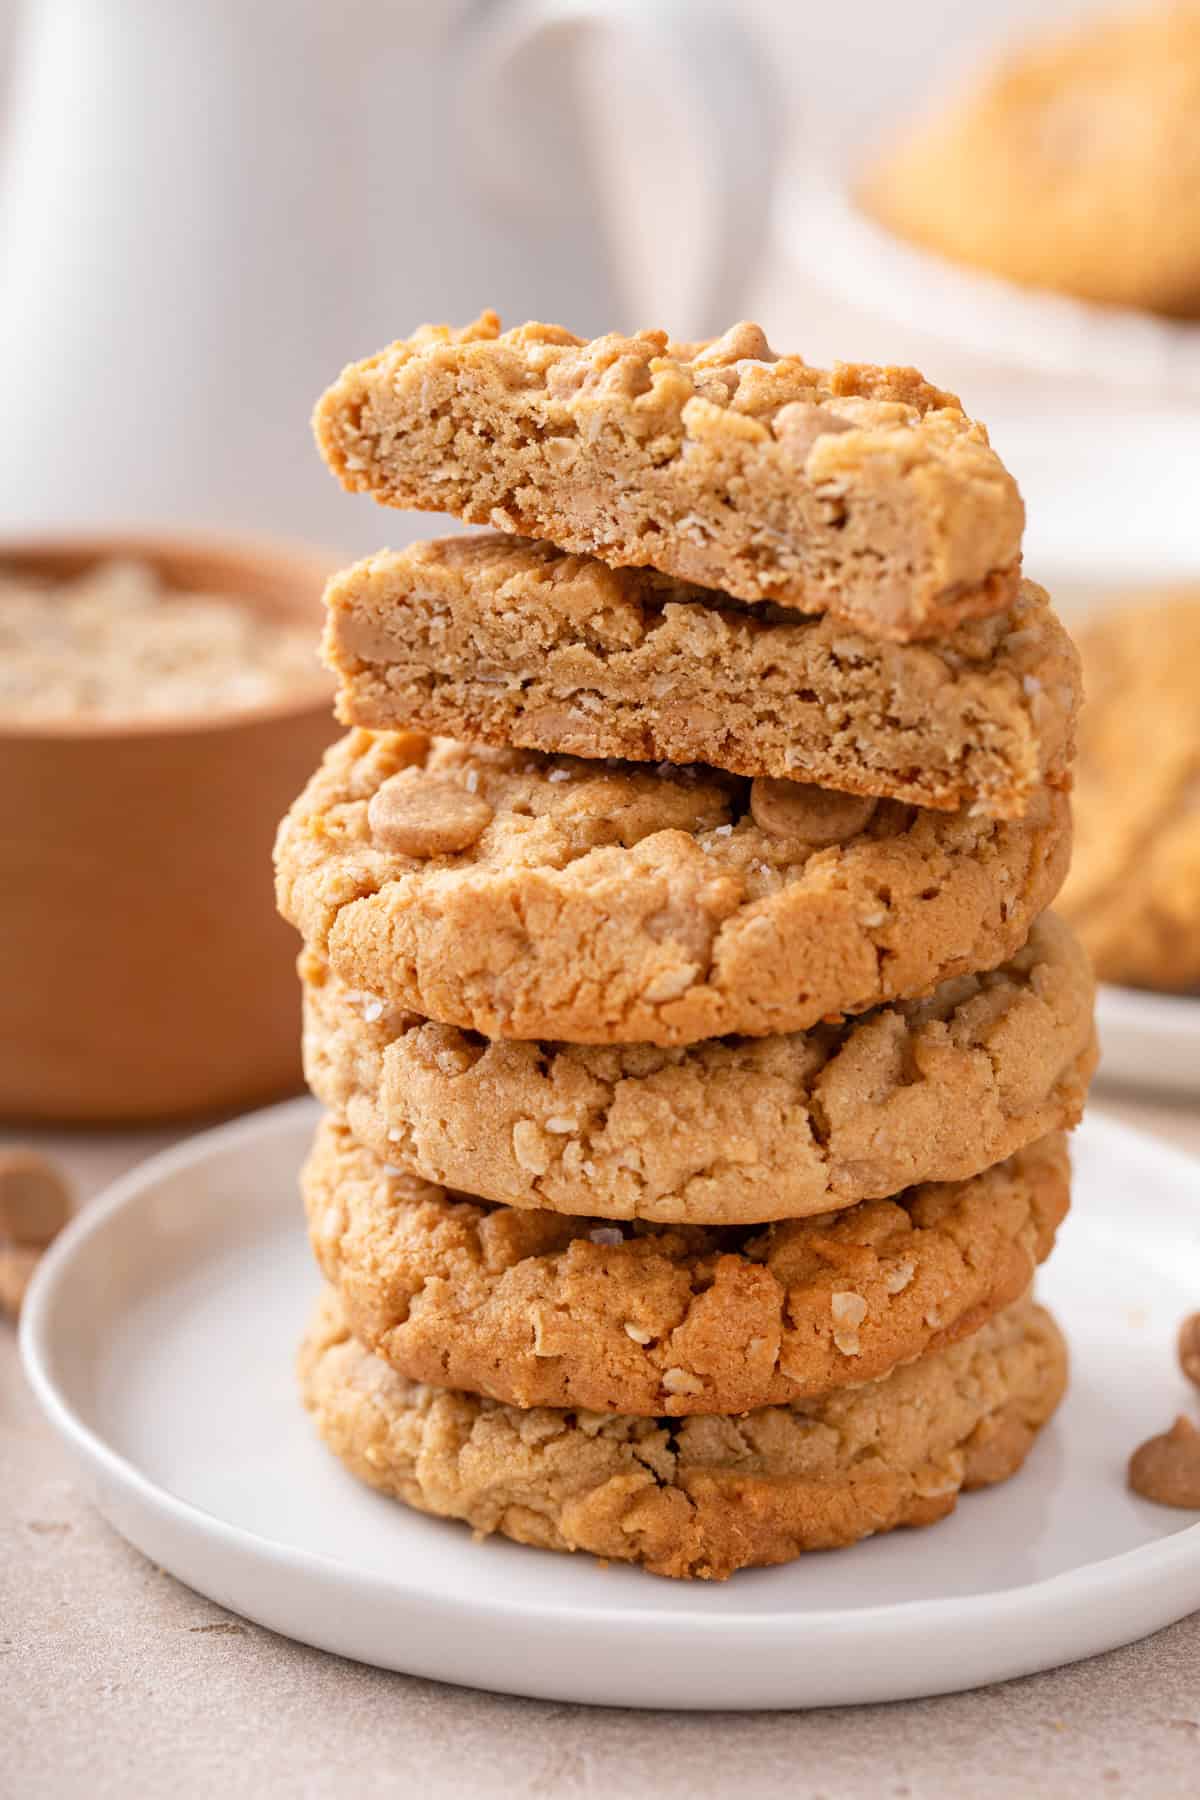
(858, 491)
(503, 641)
(627, 903)
(702, 1496)
(542, 1309)
(726, 1132)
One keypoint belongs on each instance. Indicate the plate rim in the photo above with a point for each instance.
(1154, 1563)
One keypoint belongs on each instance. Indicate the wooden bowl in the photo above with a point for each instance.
(144, 972)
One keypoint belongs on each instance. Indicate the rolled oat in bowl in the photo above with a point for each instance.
(117, 643)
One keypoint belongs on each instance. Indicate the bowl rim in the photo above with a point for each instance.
(304, 565)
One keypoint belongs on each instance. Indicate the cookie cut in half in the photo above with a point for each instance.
(547, 1309)
(701, 1496)
(502, 641)
(529, 896)
(858, 491)
(727, 1132)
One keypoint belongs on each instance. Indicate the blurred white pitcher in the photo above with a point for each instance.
(210, 205)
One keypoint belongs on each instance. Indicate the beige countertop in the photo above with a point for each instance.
(115, 1681)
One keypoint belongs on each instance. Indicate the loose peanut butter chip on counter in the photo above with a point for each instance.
(1189, 1348)
(1167, 1468)
(806, 814)
(17, 1263)
(35, 1202)
(430, 817)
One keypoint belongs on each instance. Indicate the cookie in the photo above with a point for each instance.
(706, 1495)
(502, 641)
(1134, 888)
(858, 491)
(546, 1309)
(529, 896)
(1071, 165)
(727, 1132)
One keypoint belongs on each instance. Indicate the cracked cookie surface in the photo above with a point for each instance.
(701, 1496)
(726, 1132)
(1133, 892)
(546, 1309)
(859, 491)
(503, 641)
(634, 903)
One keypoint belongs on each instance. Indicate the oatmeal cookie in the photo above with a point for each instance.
(1074, 165)
(706, 1495)
(858, 491)
(529, 896)
(1133, 893)
(732, 1131)
(499, 640)
(546, 1309)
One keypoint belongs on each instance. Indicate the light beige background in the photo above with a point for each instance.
(117, 1683)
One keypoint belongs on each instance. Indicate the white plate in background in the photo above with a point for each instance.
(1149, 1041)
(159, 1337)
(824, 232)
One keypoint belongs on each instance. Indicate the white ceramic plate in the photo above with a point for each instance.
(1149, 1040)
(826, 233)
(159, 1336)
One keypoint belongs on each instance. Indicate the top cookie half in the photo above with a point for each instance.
(858, 491)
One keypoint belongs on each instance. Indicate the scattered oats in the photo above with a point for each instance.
(637, 1333)
(723, 831)
(559, 775)
(559, 1123)
(678, 1381)
(870, 920)
(898, 1278)
(372, 1010)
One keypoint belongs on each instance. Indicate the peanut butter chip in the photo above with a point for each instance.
(17, 1263)
(35, 1202)
(1189, 1348)
(1167, 1468)
(806, 814)
(800, 423)
(435, 817)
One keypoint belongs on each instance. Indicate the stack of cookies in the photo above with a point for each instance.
(678, 977)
